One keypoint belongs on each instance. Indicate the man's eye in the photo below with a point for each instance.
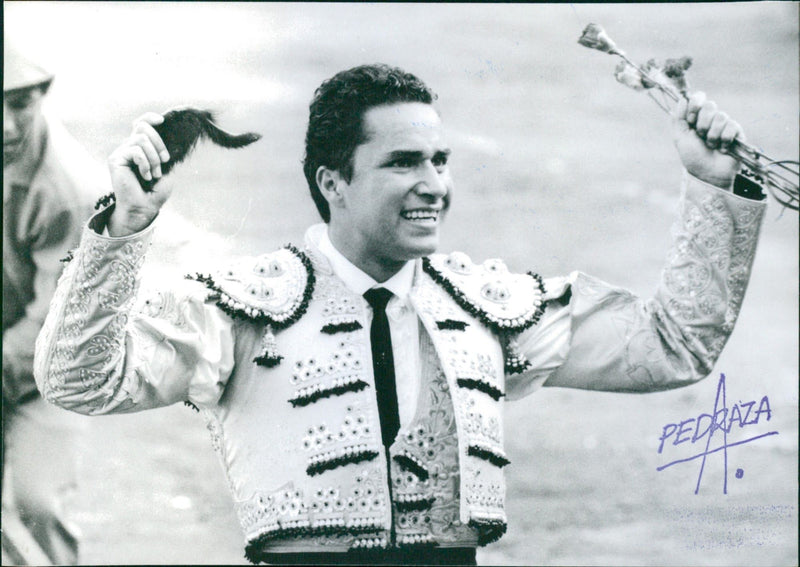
(19, 104)
(440, 161)
(402, 162)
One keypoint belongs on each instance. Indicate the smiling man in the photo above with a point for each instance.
(405, 155)
(354, 388)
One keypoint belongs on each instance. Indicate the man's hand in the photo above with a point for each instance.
(135, 209)
(702, 135)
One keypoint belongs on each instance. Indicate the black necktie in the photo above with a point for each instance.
(383, 364)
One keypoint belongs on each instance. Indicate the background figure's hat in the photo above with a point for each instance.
(19, 72)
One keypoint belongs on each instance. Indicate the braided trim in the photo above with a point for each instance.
(494, 456)
(332, 460)
(343, 327)
(451, 325)
(489, 531)
(306, 396)
(414, 503)
(254, 551)
(411, 464)
(482, 386)
(268, 360)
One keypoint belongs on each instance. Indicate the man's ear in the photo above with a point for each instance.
(330, 184)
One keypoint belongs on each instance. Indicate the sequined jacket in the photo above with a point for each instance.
(275, 350)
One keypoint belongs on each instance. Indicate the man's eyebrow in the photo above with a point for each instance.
(414, 154)
(406, 154)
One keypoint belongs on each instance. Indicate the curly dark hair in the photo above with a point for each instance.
(336, 114)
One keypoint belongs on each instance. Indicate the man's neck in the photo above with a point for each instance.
(379, 269)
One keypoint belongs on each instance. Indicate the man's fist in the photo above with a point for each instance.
(145, 150)
(703, 135)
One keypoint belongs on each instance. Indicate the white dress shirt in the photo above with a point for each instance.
(403, 320)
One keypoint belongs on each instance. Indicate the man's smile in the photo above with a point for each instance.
(424, 216)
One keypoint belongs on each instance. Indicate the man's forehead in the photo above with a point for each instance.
(405, 120)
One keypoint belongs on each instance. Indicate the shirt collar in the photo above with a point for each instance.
(354, 278)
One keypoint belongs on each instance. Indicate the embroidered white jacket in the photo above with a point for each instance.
(317, 479)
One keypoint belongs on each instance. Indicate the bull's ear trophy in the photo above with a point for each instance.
(666, 84)
(180, 131)
(182, 128)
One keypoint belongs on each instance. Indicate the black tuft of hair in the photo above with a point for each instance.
(182, 129)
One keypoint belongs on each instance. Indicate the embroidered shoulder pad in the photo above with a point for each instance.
(502, 301)
(273, 288)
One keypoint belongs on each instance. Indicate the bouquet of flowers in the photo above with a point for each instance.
(666, 84)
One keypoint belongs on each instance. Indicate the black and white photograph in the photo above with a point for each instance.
(400, 283)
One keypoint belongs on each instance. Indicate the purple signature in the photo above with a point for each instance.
(720, 422)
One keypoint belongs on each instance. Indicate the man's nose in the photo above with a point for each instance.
(432, 182)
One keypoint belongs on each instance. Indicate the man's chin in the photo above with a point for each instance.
(422, 247)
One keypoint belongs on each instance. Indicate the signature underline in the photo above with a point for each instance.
(720, 448)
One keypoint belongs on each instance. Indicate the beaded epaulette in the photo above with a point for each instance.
(502, 301)
(272, 289)
(506, 303)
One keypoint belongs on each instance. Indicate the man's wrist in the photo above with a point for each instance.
(724, 182)
(124, 223)
(745, 184)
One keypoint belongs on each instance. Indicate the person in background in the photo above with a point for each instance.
(50, 184)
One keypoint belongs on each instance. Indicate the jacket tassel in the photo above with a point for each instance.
(269, 356)
(515, 362)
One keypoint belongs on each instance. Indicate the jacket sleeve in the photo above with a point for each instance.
(596, 336)
(110, 344)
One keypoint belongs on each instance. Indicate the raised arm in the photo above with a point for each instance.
(600, 337)
(106, 346)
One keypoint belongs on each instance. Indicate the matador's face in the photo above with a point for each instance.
(391, 209)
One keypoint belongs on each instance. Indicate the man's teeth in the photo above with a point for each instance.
(421, 215)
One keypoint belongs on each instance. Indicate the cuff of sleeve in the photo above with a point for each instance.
(745, 185)
(98, 224)
(96, 241)
(99, 221)
(742, 189)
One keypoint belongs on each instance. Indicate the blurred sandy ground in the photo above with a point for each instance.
(558, 168)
